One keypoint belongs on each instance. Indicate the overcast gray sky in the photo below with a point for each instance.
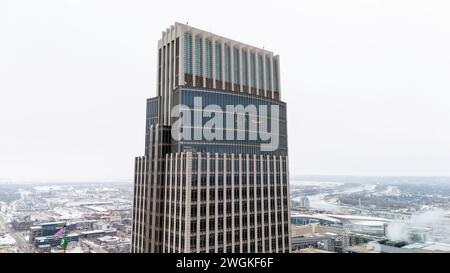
(367, 82)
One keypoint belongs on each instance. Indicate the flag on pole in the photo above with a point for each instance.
(60, 233)
(64, 242)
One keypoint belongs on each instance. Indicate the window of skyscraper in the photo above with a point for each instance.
(198, 56)
(236, 65)
(218, 61)
(227, 63)
(268, 75)
(244, 68)
(261, 72)
(188, 53)
(209, 59)
(253, 69)
(275, 75)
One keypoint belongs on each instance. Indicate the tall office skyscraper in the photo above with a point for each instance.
(214, 189)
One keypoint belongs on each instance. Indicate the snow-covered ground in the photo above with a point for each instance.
(7, 240)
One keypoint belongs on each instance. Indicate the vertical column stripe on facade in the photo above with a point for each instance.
(209, 59)
(163, 90)
(154, 184)
(227, 57)
(216, 200)
(139, 224)
(133, 212)
(275, 200)
(224, 183)
(253, 70)
(288, 203)
(268, 74)
(199, 203)
(187, 53)
(214, 62)
(275, 78)
(280, 164)
(255, 204)
(232, 67)
(173, 203)
(241, 224)
(248, 213)
(233, 199)
(208, 203)
(164, 216)
(198, 56)
(267, 201)
(166, 76)
(138, 211)
(244, 65)
(236, 66)
(218, 56)
(186, 195)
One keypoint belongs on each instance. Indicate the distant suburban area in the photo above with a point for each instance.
(328, 214)
(97, 217)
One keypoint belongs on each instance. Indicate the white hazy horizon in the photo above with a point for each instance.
(366, 83)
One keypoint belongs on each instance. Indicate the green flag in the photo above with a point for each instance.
(64, 242)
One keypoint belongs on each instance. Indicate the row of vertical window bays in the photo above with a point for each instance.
(221, 229)
(169, 66)
(260, 244)
(237, 242)
(217, 181)
(237, 147)
(230, 249)
(251, 222)
(274, 217)
(199, 193)
(230, 146)
(225, 161)
(239, 194)
(250, 249)
(141, 225)
(178, 196)
(247, 247)
(223, 206)
(280, 217)
(211, 84)
(223, 192)
(234, 64)
(224, 181)
(236, 69)
(259, 170)
(231, 163)
(168, 146)
(139, 243)
(254, 233)
(223, 147)
(173, 207)
(227, 208)
(223, 212)
(237, 237)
